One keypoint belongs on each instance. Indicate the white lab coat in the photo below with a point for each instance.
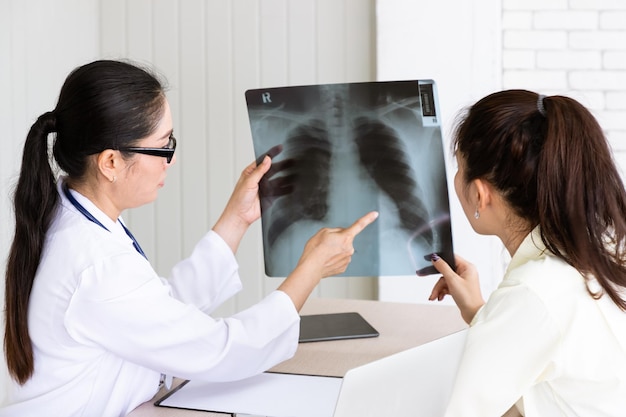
(104, 326)
(541, 337)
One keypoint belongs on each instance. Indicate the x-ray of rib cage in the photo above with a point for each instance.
(345, 150)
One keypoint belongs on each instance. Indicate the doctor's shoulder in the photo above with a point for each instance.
(74, 245)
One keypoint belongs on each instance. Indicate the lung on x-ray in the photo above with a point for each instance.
(342, 150)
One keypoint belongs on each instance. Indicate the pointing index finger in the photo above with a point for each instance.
(358, 226)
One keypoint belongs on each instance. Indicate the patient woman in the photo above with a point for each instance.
(537, 172)
(90, 326)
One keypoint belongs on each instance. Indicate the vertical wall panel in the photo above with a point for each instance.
(301, 42)
(9, 158)
(113, 29)
(246, 53)
(220, 103)
(191, 126)
(167, 224)
(331, 37)
(219, 117)
(139, 29)
(360, 35)
(273, 42)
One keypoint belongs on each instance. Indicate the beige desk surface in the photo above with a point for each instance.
(401, 327)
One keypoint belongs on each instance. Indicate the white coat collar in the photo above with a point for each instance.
(114, 227)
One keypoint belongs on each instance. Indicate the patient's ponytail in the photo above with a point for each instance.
(582, 197)
(549, 158)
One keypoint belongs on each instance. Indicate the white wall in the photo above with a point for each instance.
(575, 48)
(571, 47)
(456, 43)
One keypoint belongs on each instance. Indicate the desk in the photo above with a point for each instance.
(401, 326)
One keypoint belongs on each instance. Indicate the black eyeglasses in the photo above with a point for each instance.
(166, 152)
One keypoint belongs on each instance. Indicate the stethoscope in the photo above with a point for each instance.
(91, 218)
(163, 380)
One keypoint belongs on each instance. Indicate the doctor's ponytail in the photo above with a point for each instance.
(35, 199)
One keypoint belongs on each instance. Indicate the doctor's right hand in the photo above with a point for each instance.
(327, 253)
(331, 249)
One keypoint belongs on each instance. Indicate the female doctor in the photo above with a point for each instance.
(537, 172)
(90, 327)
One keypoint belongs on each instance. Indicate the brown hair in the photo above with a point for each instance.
(551, 162)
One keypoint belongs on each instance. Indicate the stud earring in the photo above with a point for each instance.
(114, 179)
(476, 214)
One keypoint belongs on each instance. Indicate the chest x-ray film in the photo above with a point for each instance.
(342, 150)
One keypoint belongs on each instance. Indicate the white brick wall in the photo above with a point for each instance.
(571, 47)
(613, 20)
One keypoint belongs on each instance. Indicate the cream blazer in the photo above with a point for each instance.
(543, 342)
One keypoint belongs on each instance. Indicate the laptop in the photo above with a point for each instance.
(416, 382)
(342, 150)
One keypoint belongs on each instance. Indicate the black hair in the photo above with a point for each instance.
(102, 105)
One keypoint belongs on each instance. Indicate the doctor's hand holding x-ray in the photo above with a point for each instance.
(327, 253)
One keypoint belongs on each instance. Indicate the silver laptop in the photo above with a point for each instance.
(417, 382)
